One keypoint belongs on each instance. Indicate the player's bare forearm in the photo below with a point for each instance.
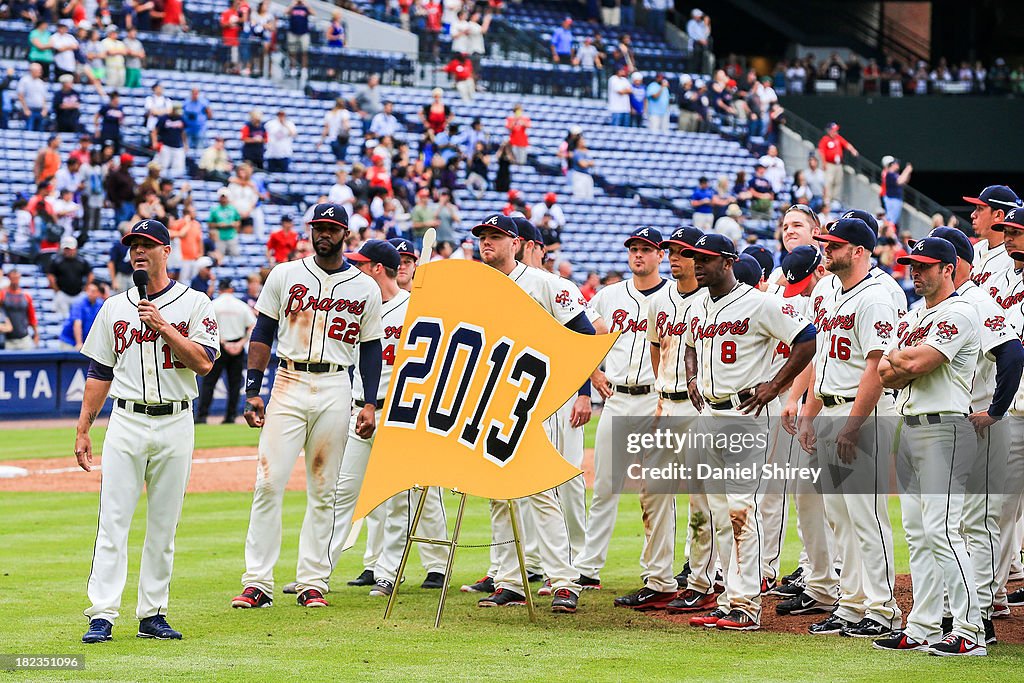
(888, 375)
(192, 354)
(799, 357)
(868, 393)
(259, 356)
(655, 357)
(910, 363)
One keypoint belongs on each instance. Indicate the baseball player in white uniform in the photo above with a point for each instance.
(145, 354)
(627, 384)
(729, 336)
(499, 242)
(843, 426)
(320, 309)
(990, 207)
(931, 361)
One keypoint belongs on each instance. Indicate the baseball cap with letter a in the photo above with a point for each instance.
(151, 230)
(497, 221)
(403, 246)
(996, 197)
(930, 250)
(330, 213)
(376, 251)
(645, 233)
(684, 237)
(713, 244)
(798, 266)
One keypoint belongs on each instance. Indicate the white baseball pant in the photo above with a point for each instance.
(304, 412)
(139, 450)
(772, 501)
(572, 495)
(374, 523)
(401, 508)
(1010, 508)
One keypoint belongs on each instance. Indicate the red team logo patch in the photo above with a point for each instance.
(211, 326)
(946, 331)
(996, 323)
(883, 329)
(563, 299)
(790, 311)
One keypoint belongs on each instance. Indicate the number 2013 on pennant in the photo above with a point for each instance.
(427, 340)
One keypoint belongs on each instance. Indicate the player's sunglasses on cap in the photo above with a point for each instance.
(960, 242)
(646, 233)
(683, 237)
(497, 222)
(747, 270)
(1014, 219)
(996, 197)
(850, 231)
(528, 231)
(713, 244)
(376, 251)
(865, 216)
(804, 209)
(798, 266)
(930, 250)
(763, 257)
(151, 230)
(403, 246)
(330, 213)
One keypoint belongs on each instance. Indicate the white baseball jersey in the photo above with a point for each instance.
(734, 337)
(234, 316)
(626, 308)
(393, 317)
(780, 354)
(321, 316)
(988, 262)
(950, 327)
(892, 289)
(995, 330)
(145, 368)
(547, 290)
(851, 324)
(666, 326)
(1007, 290)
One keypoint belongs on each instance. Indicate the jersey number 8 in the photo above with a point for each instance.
(427, 336)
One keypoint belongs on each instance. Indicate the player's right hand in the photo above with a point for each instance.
(253, 413)
(807, 438)
(789, 413)
(83, 451)
(695, 396)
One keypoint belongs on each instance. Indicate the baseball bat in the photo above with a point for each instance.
(428, 246)
(353, 535)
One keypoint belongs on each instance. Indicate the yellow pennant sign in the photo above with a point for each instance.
(480, 367)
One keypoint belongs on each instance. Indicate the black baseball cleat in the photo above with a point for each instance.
(900, 642)
(990, 631)
(382, 588)
(311, 597)
(789, 590)
(867, 628)
(692, 601)
(433, 580)
(99, 631)
(502, 598)
(534, 577)
(802, 604)
(829, 625)
(252, 597)
(484, 585)
(957, 646)
(645, 599)
(1016, 598)
(684, 576)
(946, 625)
(291, 588)
(158, 628)
(364, 579)
(564, 600)
(589, 584)
(793, 577)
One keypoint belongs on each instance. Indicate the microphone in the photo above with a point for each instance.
(141, 280)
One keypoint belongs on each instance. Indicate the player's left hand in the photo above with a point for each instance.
(83, 451)
(846, 445)
(150, 315)
(366, 422)
(764, 394)
(982, 421)
(581, 411)
(601, 383)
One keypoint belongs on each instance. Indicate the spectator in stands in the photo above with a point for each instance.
(637, 100)
(214, 164)
(68, 274)
(135, 53)
(433, 13)
(196, 112)
(236, 321)
(435, 117)
(775, 168)
(384, 122)
(424, 216)
(656, 11)
(113, 51)
(336, 30)
(120, 188)
(698, 30)
(203, 281)
(107, 122)
(243, 195)
(562, 50)
(460, 33)
(700, 200)
(367, 101)
(230, 31)
(79, 322)
(590, 59)
(610, 13)
(64, 46)
(582, 166)
(461, 71)
(299, 17)
(360, 220)
(503, 178)
(282, 242)
(730, 224)
(337, 125)
(33, 97)
(118, 263)
(761, 194)
(549, 209)
(157, 104)
(590, 285)
(225, 219)
(619, 91)
(94, 174)
(253, 287)
(20, 310)
(359, 184)
(658, 99)
(66, 105)
(173, 19)
(477, 172)
(70, 177)
(816, 181)
(831, 148)
(47, 160)
(169, 132)
(254, 139)
(518, 126)
(189, 233)
(341, 193)
(280, 133)
(448, 217)
(40, 47)
(894, 182)
(800, 192)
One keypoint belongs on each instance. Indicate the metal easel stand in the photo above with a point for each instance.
(453, 545)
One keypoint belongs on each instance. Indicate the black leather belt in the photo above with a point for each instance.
(361, 403)
(151, 409)
(932, 418)
(727, 403)
(674, 395)
(633, 390)
(833, 401)
(309, 367)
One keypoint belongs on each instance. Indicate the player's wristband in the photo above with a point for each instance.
(253, 383)
(691, 379)
(585, 389)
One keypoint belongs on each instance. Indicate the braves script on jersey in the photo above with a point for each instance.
(950, 327)
(850, 325)
(393, 316)
(734, 337)
(988, 262)
(145, 369)
(995, 330)
(312, 307)
(666, 327)
(625, 308)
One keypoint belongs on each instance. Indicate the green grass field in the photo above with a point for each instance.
(44, 564)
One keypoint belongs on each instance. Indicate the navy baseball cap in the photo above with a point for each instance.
(930, 250)
(403, 246)
(798, 266)
(1014, 219)
(330, 213)
(498, 222)
(763, 257)
(684, 237)
(646, 233)
(960, 242)
(997, 197)
(152, 230)
(528, 231)
(747, 270)
(865, 216)
(713, 244)
(376, 251)
(853, 231)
